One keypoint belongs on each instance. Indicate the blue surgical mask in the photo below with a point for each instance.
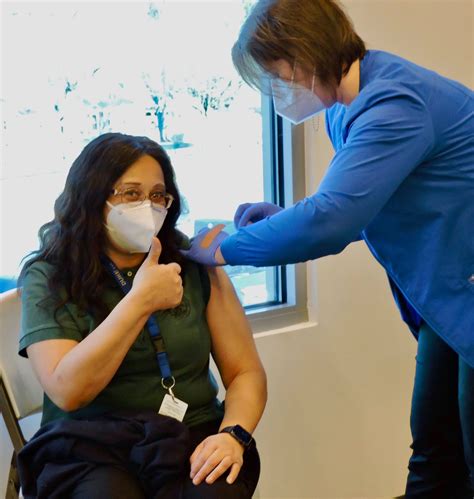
(295, 102)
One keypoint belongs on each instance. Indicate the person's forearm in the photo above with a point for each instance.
(245, 400)
(88, 367)
(300, 233)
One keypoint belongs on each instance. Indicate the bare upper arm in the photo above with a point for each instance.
(233, 346)
(45, 356)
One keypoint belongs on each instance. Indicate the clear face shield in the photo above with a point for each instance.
(293, 101)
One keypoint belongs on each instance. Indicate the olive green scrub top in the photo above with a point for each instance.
(137, 383)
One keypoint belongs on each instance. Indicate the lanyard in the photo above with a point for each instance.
(152, 325)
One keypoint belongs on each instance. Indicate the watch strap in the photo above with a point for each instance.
(241, 435)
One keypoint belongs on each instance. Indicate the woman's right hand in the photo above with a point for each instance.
(158, 286)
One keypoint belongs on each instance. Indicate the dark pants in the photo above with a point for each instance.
(442, 423)
(107, 482)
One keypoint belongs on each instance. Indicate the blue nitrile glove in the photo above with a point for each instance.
(254, 212)
(204, 245)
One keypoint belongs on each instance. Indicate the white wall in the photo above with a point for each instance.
(337, 420)
(336, 424)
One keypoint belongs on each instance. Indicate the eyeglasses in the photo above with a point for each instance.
(277, 83)
(137, 196)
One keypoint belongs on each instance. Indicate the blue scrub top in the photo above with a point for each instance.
(402, 179)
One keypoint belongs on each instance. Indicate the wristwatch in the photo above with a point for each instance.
(242, 436)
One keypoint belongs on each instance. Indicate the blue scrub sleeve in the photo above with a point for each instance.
(386, 140)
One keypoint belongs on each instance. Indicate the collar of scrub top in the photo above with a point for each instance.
(167, 380)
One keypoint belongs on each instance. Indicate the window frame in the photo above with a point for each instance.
(284, 184)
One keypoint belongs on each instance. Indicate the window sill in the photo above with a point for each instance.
(294, 328)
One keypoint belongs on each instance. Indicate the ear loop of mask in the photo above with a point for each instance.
(313, 81)
(293, 74)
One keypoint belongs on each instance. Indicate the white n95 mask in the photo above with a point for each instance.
(295, 102)
(133, 227)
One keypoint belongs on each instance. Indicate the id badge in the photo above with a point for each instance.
(173, 407)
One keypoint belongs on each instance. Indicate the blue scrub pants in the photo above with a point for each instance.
(442, 423)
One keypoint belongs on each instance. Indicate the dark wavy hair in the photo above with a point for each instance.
(318, 34)
(74, 240)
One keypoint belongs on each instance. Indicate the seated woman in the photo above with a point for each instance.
(119, 328)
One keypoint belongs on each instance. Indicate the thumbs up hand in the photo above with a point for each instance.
(158, 285)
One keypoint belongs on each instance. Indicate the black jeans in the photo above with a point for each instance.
(442, 423)
(106, 482)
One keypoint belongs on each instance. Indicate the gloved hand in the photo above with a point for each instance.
(254, 212)
(204, 245)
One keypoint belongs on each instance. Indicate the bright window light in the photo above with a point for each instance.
(74, 70)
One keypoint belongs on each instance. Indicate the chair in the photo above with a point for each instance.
(20, 392)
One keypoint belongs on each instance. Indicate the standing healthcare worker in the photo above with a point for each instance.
(402, 179)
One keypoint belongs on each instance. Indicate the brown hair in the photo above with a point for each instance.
(75, 239)
(315, 33)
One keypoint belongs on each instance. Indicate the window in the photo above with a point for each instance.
(74, 70)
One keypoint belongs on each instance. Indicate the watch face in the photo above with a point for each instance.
(242, 435)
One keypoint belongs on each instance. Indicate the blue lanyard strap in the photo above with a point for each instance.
(152, 324)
